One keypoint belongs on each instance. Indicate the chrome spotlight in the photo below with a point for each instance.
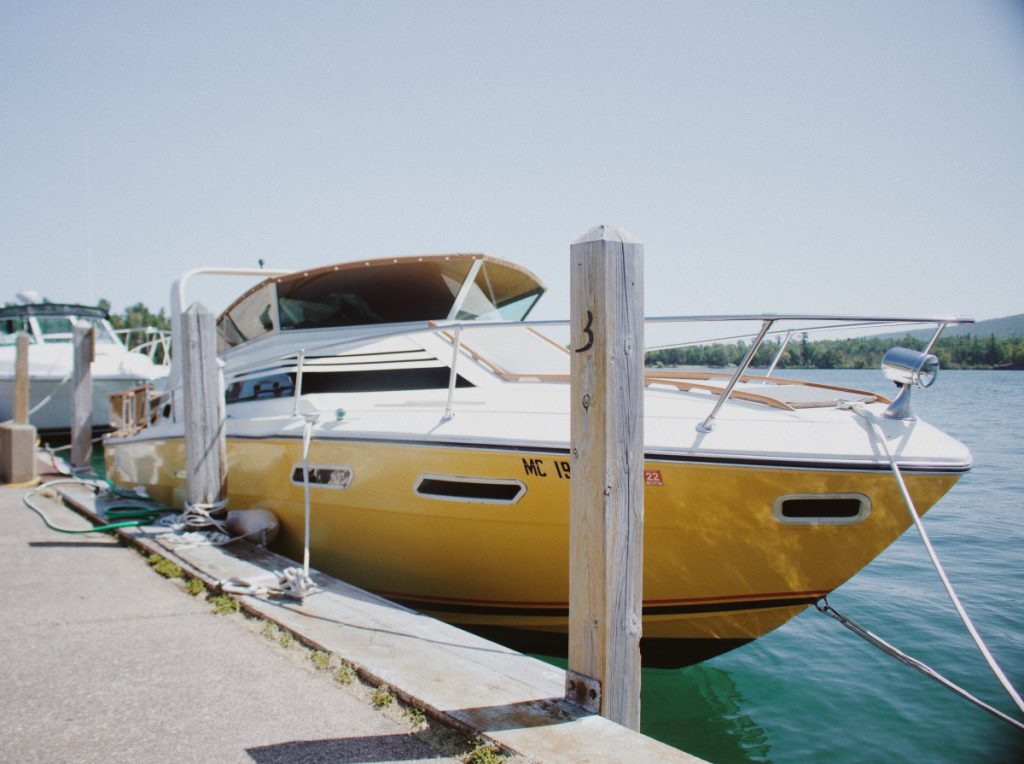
(907, 368)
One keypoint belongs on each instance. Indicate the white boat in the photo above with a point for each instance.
(440, 458)
(51, 363)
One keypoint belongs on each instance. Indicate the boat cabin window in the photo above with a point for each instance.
(317, 381)
(273, 386)
(821, 509)
(251, 317)
(477, 490)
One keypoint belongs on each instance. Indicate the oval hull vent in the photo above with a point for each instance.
(471, 489)
(821, 508)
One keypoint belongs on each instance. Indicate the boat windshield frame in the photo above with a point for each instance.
(396, 291)
(36, 320)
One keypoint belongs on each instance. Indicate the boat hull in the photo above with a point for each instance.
(54, 417)
(720, 568)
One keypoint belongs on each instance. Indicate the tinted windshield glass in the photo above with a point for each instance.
(499, 293)
(60, 328)
(378, 293)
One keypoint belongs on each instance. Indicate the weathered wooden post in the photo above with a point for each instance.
(21, 393)
(84, 335)
(18, 437)
(205, 439)
(606, 492)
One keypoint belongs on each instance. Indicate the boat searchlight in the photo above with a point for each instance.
(907, 368)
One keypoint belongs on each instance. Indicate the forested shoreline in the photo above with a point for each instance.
(963, 352)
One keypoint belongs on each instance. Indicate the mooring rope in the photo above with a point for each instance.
(879, 436)
(824, 607)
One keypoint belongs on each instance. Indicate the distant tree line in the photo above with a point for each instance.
(136, 316)
(964, 352)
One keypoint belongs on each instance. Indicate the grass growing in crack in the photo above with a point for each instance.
(344, 674)
(269, 630)
(382, 697)
(286, 639)
(195, 587)
(165, 567)
(414, 716)
(321, 661)
(223, 604)
(484, 753)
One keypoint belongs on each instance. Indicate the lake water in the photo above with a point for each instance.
(813, 692)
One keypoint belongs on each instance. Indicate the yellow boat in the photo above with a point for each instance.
(439, 463)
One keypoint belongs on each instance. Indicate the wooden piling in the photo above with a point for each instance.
(84, 337)
(18, 437)
(606, 493)
(205, 442)
(21, 392)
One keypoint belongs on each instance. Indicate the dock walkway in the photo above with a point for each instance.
(109, 662)
(105, 661)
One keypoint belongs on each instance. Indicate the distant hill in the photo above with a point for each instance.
(1008, 327)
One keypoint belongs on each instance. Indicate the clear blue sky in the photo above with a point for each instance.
(859, 157)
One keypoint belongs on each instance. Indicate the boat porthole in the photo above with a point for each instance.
(821, 508)
(478, 490)
(324, 476)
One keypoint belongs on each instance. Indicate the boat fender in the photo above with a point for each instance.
(257, 525)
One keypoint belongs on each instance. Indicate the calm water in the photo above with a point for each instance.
(813, 692)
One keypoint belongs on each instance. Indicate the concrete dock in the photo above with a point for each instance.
(107, 661)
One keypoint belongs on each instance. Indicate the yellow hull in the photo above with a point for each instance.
(719, 568)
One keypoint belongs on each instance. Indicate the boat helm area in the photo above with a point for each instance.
(53, 323)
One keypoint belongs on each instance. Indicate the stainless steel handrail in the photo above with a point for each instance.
(767, 320)
(709, 424)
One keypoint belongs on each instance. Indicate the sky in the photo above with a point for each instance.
(798, 157)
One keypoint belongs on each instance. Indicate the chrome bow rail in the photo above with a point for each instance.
(768, 324)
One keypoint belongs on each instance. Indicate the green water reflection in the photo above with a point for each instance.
(698, 709)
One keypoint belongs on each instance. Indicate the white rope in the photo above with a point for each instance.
(294, 583)
(307, 436)
(49, 397)
(291, 583)
(996, 669)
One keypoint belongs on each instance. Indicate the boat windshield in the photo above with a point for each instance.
(379, 293)
(50, 324)
(499, 293)
(411, 289)
(61, 329)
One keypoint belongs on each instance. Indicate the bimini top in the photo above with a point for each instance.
(461, 287)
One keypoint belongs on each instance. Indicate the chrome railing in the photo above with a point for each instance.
(768, 323)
